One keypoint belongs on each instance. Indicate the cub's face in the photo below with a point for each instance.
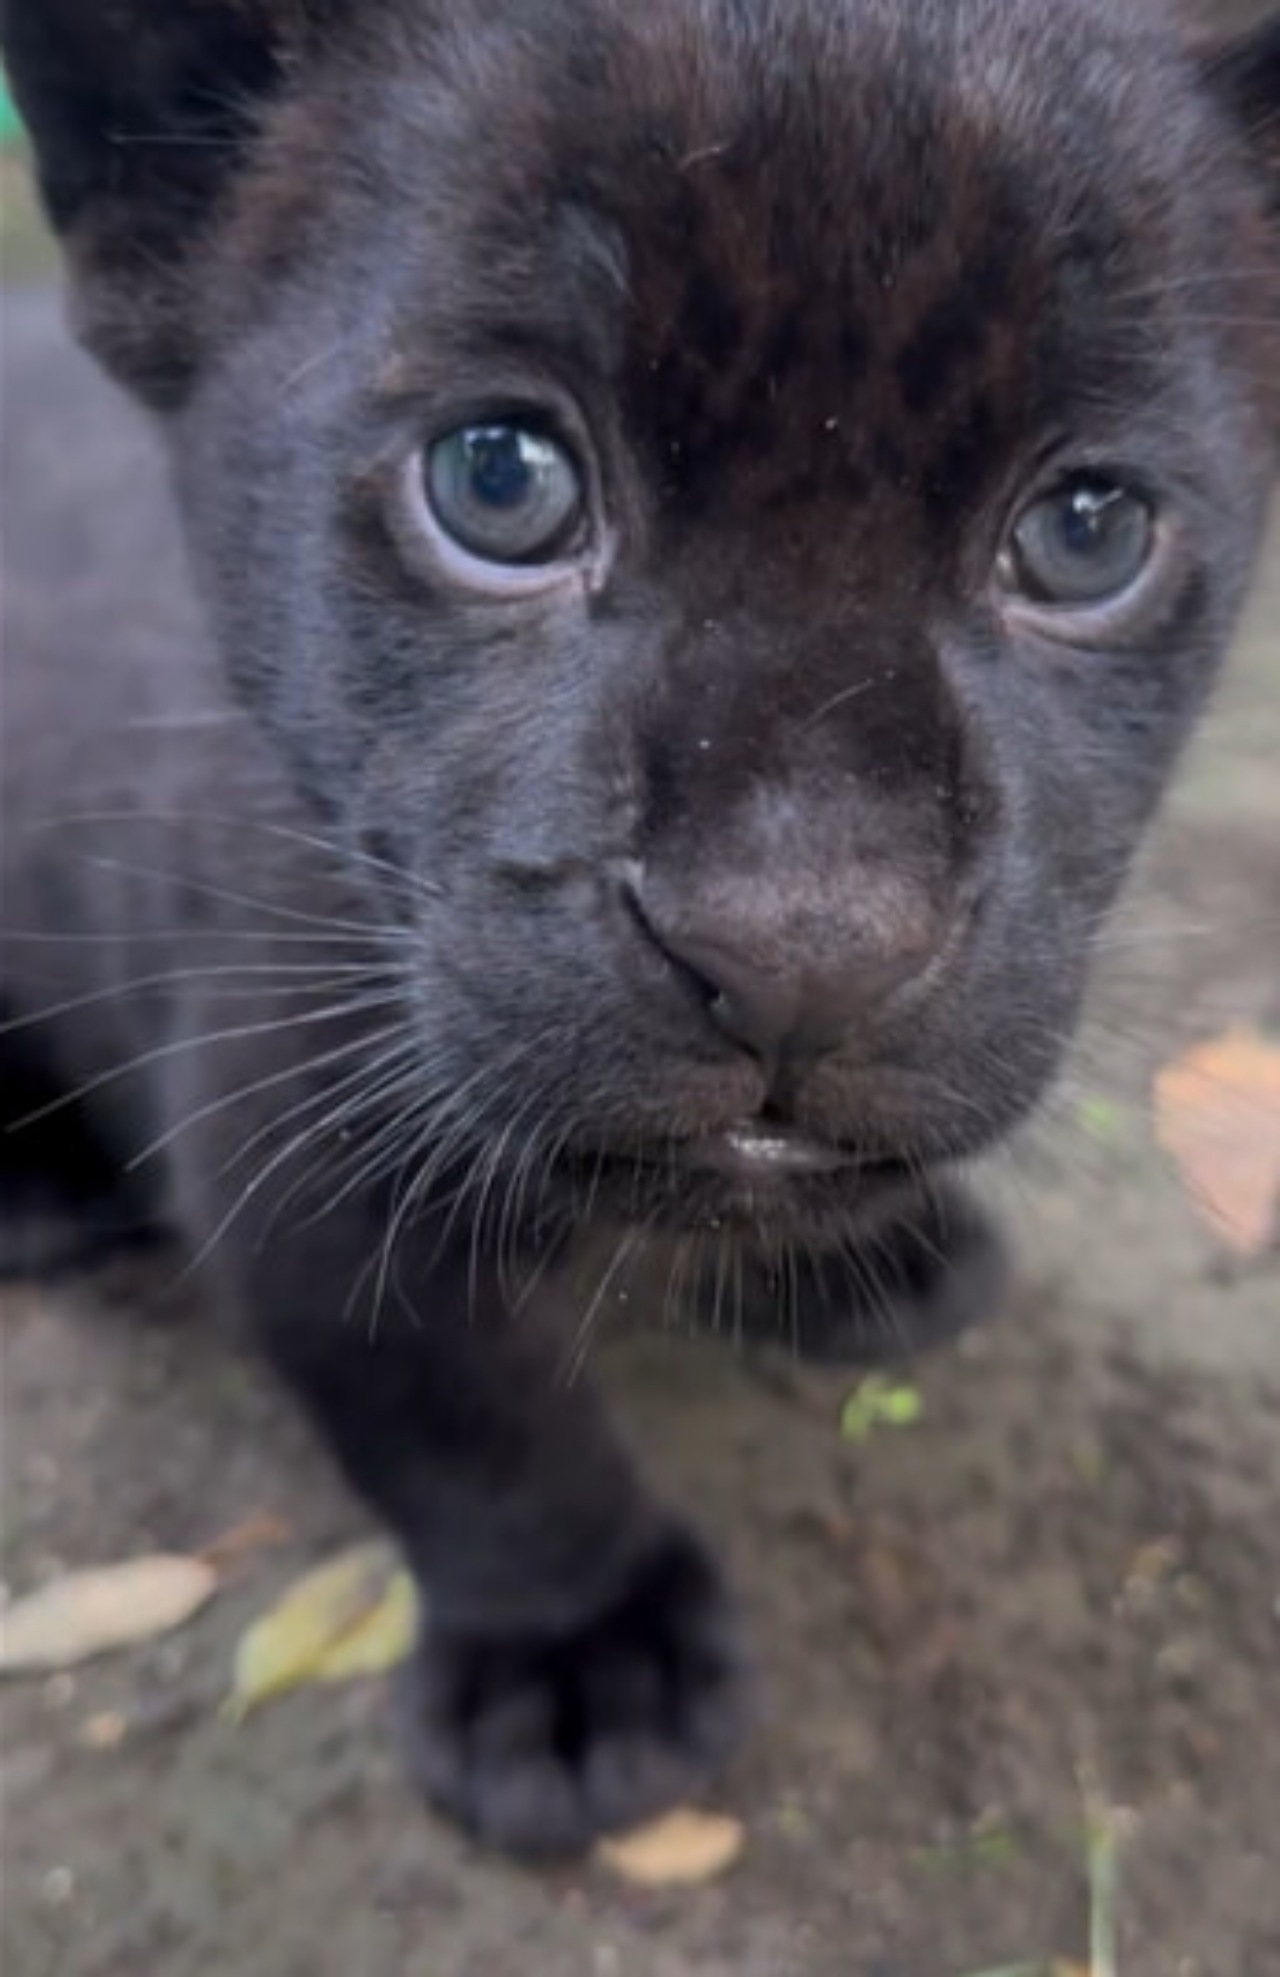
(733, 512)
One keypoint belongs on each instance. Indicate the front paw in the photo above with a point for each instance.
(539, 1745)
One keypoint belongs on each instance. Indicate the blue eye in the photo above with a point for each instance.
(1088, 541)
(504, 492)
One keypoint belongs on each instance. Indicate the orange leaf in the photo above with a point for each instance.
(259, 1529)
(1218, 1114)
(681, 1849)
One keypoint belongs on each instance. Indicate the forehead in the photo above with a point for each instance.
(845, 240)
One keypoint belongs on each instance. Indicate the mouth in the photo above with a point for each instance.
(760, 1151)
(754, 1171)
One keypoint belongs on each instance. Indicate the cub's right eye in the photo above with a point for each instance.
(505, 492)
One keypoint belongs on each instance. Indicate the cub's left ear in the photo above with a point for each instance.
(1245, 75)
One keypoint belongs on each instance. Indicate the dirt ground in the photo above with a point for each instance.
(1070, 1563)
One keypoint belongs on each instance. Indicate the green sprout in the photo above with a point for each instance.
(878, 1402)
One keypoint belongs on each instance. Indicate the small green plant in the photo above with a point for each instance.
(879, 1402)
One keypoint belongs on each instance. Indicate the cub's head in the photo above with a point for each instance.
(730, 509)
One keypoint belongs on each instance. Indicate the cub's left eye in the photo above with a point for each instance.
(505, 492)
(1086, 543)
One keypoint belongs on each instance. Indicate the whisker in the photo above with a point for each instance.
(308, 1067)
(257, 975)
(628, 1243)
(176, 1046)
(340, 850)
(371, 1161)
(295, 915)
(367, 941)
(252, 1187)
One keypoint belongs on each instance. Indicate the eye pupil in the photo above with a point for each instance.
(504, 491)
(1084, 518)
(499, 469)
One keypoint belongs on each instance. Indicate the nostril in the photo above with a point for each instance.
(710, 992)
(757, 1009)
(753, 1005)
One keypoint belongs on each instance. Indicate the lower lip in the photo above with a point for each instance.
(744, 1155)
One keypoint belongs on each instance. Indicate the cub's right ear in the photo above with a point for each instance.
(142, 113)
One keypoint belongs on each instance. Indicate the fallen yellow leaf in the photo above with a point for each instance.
(381, 1640)
(355, 1615)
(1218, 1115)
(679, 1850)
(109, 1606)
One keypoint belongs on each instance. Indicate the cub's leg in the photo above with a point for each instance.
(578, 1668)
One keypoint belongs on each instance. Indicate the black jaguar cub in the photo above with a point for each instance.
(708, 524)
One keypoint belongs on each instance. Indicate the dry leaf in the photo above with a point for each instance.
(355, 1615)
(255, 1532)
(1218, 1114)
(1037, 1968)
(680, 1850)
(379, 1642)
(106, 1731)
(109, 1606)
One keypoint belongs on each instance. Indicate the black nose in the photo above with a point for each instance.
(784, 984)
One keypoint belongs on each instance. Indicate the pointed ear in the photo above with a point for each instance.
(1245, 75)
(141, 113)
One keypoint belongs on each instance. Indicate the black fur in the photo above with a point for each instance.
(392, 919)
